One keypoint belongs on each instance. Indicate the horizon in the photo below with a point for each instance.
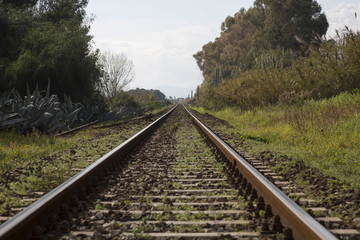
(161, 36)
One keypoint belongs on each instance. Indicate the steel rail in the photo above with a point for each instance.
(76, 129)
(22, 224)
(302, 224)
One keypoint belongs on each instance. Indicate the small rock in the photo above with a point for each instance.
(98, 236)
(99, 215)
(115, 233)
(83, 228)
(106, 225)
(356, 223)
(220, 229)
(85, 222)
(114, 225)
(100, 222)
(102, 230)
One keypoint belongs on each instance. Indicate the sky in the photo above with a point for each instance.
(161, 36)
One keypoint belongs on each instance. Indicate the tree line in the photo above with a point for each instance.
(266, 26)
(45, 41)
(45, 45)
(276, 51)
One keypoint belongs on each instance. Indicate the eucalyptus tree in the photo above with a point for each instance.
(267, 26)
(286, 19)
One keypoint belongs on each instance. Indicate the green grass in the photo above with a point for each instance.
(324, 134)
(40, 163)
(17, 150)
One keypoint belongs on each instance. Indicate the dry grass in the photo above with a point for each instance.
(324, 134)
(327, 71)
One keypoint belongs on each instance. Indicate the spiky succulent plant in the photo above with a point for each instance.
(35, 111)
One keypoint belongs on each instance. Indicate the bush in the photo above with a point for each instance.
(125, 106)
(329, 69)
(46, 114)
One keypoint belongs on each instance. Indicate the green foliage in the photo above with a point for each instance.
(58, 10)
(45, 41)
(153, 105)
(20, 3)
(251, 37)
(281, 77)
(330, 69)
(17, 149)
(145, 95)
(324, 134)
(289, 18)
(136, 102)
(35, 111)
(175, 127)
(255, 138)
(125, 105)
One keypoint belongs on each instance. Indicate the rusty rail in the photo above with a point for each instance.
(302, 224)
(76, 129)
(21, 226)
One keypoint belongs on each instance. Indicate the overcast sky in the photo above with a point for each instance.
(160, 36)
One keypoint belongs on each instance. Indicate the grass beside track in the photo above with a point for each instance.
(39, 163)
(17, 150)
(324, 134)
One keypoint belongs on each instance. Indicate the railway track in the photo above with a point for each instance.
(167, 182)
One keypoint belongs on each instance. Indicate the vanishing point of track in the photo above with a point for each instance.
(166, 182)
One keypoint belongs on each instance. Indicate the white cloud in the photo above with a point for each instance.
(161, 37)
(341, 15)
(160, 56)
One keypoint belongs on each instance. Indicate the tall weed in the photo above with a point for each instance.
(17, 150)
(324, 134)
(328, 70)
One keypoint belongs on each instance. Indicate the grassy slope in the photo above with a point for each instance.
(17, 150)
(39, 163)
(324, 134)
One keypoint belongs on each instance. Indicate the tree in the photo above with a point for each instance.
(286, 19)
(14, 23)
(47, 41)
(147, 95)
(59, 10)
(124, 100)
(261, 30)
(20, 3)
(118, 72)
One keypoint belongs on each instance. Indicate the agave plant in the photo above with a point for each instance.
(10, 119)
(90, 112)
(35, 111)
(5, 118)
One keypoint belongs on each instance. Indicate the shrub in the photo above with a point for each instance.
(330, 68)
(46, 114)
